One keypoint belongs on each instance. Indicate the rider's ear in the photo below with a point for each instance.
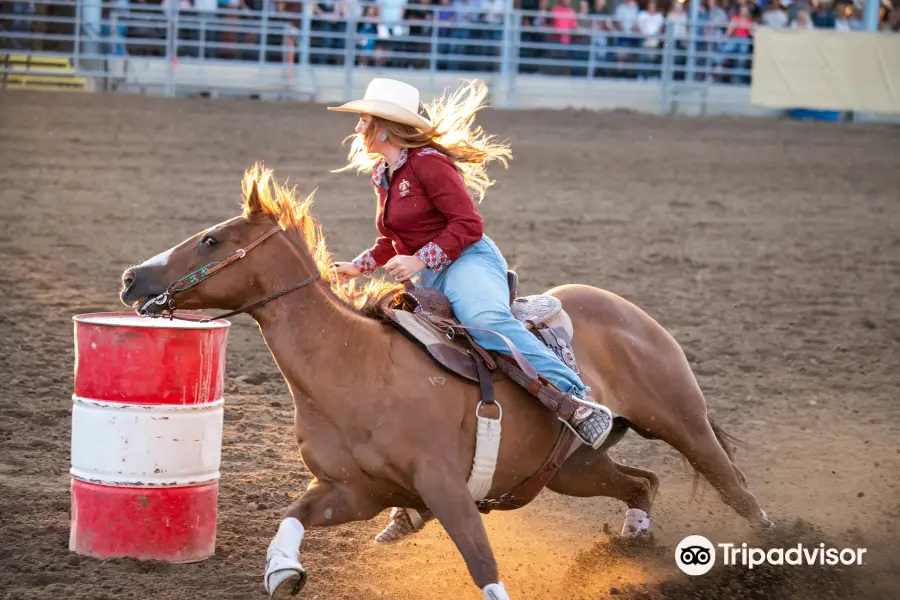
(253, 204)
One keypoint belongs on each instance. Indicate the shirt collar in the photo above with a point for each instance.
(379, 176)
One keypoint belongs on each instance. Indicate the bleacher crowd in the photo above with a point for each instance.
(607, 38)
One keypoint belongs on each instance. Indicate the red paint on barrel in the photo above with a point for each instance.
(148, 365)
(175, 524)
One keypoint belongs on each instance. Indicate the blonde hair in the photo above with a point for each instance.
(452, 134)
(277, 201)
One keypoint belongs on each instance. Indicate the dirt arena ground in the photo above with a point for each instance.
(770, 249)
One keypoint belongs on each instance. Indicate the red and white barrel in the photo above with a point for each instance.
(146, 436)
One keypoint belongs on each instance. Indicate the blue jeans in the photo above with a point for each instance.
(477, 287)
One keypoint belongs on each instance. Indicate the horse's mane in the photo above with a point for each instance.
(279, 202)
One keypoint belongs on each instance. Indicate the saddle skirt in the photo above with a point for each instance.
(425, 315)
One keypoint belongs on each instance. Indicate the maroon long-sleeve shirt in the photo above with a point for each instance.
(424, 209)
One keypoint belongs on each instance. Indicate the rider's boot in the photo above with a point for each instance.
(591, 424)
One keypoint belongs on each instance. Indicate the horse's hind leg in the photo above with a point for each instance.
(324, 503)
(590, 473)
(696, 440)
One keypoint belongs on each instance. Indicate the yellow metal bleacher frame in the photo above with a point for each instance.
(26, 71)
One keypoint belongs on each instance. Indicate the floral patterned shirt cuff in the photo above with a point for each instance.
(433, 256)
(365, 262)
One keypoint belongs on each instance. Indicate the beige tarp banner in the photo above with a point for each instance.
(827, 70)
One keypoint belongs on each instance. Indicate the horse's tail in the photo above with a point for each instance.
(728, 443)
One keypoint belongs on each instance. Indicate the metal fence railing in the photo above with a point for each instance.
(359, 33)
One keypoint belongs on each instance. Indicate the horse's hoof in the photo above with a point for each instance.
(636, 535)
(286, 583)
(637, 523)
(765, 524)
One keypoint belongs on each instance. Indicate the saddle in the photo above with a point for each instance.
(425, 316)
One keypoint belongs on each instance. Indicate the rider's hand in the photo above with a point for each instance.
(404, 267)
(345, 271)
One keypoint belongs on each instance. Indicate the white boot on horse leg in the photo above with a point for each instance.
(404, 522)
(495, 591)
(637, 523)
(766, 525)
(285, 576)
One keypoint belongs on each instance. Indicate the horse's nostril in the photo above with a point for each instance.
(128, 277)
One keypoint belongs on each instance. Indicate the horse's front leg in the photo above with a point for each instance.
(449, 499)
(324, 503)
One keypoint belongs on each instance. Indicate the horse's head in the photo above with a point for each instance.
(221, 267)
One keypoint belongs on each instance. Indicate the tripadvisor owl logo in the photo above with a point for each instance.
(696, 555)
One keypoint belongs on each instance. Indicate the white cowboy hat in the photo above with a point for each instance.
(389, 99)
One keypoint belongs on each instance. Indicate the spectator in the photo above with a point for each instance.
(715, 21)
(626, 21)
(230, 10)
(802, 21)
(392, 15)
(891, 22)
(480, 48)
(374, 49)
(368, 32)
(775, 16)
(601, 27)
(856, 18)
(139, 29)
(461, 32)
(823, 17)
(169, 5)
(582, 41)
(446, 14)
(542, 20)
(677, 20)
(842, 15)
(117, 33)
(206, 13)
(419, 22)
(738, 42)
(564, 20)
(321, 25)
(527, 38)
(650, 24)
(495, 11)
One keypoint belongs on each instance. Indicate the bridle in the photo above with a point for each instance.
(196, 277)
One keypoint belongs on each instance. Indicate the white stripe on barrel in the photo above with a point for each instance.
(146, 445)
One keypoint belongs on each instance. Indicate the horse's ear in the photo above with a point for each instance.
(254, 206)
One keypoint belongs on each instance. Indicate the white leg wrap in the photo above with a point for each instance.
(495, 591)
(487, 447)
(289, 537)
(283, 568)
(636, 522)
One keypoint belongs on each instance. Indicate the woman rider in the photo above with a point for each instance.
(431, 232)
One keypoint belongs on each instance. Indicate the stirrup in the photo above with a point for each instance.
(593, 428)
(404, 522)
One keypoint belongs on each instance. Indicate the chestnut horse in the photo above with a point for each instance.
(379, 425)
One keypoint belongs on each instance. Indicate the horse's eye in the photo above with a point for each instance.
(209, 240)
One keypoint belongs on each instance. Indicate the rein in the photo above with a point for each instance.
(200, 275)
